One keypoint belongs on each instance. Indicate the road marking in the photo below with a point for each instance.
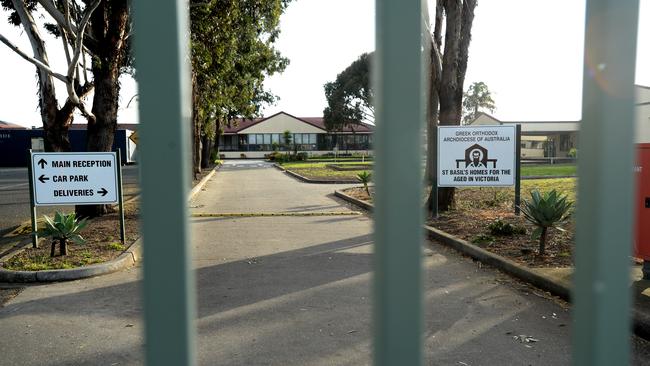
(13, 185)
(264, 214)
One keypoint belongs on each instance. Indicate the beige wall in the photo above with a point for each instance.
(260, 154)
(483, 119)
(281, 123)
(643, 115)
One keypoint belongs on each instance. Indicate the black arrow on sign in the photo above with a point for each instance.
(102, 191)
(43, 178)
(42, 163)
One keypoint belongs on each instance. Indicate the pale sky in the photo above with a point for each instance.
(528, 52)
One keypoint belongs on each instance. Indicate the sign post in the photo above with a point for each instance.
(32, 206)
(92, 178)
(518, 170)
(120, 195)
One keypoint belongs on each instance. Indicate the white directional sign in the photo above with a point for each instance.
(476, 156)
(74, 178)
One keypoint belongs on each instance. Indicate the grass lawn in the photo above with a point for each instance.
(548, 170)
(320, 170)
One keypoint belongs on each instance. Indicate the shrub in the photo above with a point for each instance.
(483, 239)
(545, 211)
(63, 228)
(365, 177)
(302, 156)
(500, 228)
(273, 156)
(500, 196)
(573, 153)
(214, 155)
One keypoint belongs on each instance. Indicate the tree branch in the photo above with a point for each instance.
(34, 61)
(72, 67)
(59, 18)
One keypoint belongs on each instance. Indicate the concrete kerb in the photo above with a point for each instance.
(641, 319)
(484, 256)
(128, 258)
(199, 186)
(360, 203)
(317, 181)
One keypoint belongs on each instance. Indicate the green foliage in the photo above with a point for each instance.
(499, 227)
(232, 44)
(117, 246)
(545, 211)
(573, 153)
(214, 156)
(483, 239)
(64, 227)
(302, 156)
(476, 97)
(365, 177)
(349, 97)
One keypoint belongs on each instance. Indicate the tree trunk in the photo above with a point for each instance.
(433, 103)
(63, 247)
(542, 241)
(206, 151)
(196, 129)
(52, 248)
(109, 28)
(460, 16)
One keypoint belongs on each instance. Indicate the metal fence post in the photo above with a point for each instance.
(601, 290)
(399, 81)
(162, 60)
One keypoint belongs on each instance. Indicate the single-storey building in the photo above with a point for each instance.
(254, 138)
(15, 143)
(556, 138)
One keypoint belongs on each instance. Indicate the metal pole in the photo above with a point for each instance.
(434, 174)
(162, 59)
(120, 195)
(601, 289)
(399, 86)
(32, 201)
(517, 169)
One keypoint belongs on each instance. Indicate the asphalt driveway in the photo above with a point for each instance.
(291, 290)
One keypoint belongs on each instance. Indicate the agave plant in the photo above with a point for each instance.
(545, 211)
(365, 177)
(63, 228)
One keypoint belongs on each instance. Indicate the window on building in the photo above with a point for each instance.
(252, 139)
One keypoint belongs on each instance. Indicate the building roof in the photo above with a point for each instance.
(120, 126)
(5, 125)
(240, 124)
(530, 127)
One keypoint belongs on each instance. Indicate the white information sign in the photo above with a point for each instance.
(74, 178)
(476, 156)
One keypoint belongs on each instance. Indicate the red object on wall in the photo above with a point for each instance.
(642, 203)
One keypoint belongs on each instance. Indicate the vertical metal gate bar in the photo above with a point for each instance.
(399, 98)
(605, 189)
(162, 61)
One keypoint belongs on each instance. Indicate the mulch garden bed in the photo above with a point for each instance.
(478, 208)
(103, 244)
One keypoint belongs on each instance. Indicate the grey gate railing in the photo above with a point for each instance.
(604, 220)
